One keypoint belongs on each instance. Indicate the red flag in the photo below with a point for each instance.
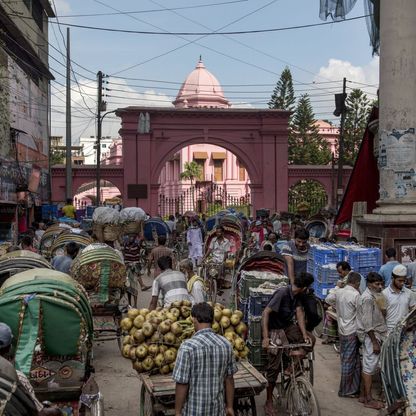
(364, 181)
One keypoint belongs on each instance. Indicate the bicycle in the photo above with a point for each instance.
(211, 273)
(295, 386)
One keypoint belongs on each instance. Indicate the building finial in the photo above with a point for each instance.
(200, 58)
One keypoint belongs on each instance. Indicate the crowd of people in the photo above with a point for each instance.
(367, 308)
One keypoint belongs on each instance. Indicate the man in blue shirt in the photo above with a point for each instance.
(387, 268)
(204, 369)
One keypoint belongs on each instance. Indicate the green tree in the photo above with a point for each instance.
(306, 145)
(283, 96)
(357, 112)
(191, 172)
(57, 157)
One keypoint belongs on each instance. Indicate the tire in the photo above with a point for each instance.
(319, 329)
(301, 399)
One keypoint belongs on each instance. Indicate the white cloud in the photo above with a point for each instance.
(338, 69)
(83, 120)
(62, 7)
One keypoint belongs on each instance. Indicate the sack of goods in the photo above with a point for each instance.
(106, 222)
(254, 278)
(151, 339)
(131, 219)
(99, 268)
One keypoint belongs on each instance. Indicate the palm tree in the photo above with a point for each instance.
(191, 171)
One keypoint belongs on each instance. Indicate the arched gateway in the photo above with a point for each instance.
(257, 137)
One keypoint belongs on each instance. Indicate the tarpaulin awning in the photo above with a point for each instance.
(218, 155)
(364, 181)
(200, 155)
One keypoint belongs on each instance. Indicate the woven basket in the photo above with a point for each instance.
(132, 227)
(111, 232)
(98, 230)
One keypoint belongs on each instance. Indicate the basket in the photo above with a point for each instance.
(325, 254)
(132, 227)
(111, 232)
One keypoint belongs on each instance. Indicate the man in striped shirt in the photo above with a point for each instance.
(204, 370)
(170, 285)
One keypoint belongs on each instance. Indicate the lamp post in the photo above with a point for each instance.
(100, 122)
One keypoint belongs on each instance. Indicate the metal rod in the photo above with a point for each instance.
(98, 141)
(341, 147)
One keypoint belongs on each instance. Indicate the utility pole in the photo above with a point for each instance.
(340, 110)
(98, 142)
(68, 152)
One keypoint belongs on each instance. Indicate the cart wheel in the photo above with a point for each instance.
(146, 403)
(301, 399)
(245, 406)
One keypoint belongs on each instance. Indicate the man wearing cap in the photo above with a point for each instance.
(399, 299)
(6, 338)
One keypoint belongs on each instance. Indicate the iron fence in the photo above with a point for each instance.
(203, 199)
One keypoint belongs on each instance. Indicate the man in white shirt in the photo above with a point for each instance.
(346, 303)
(399, 299)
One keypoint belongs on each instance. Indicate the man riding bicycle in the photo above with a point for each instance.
(219, 249)
(283, 321)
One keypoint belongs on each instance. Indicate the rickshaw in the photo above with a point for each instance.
(14, 399)
(49, 237)
(153, 228)
(81, 238)
(20, 261)
(101, 271)
(51, 320)
(398, 363)
(213, 271)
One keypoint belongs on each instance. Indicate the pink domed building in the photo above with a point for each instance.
(201, 89)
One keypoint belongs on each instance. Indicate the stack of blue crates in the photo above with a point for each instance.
(49, 212)
(322, 261)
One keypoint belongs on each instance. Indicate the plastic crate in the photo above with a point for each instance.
(257, 355)
(327, 274)
(248, 281)
(322, 289)
(363, 258)
(254, 329)
(258, 300)
(49, 211)
(325, 254)
(243, 307)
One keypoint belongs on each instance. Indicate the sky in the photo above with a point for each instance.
(247, 65)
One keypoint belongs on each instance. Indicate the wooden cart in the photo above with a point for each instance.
(157, 395)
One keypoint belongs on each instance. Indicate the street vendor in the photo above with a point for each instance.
(170, 285)
(195, 242)
(219, 249)
(278, 325)
(204, 370)
(131, 252)
(195, 284)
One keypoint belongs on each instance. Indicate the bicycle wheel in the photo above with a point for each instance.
(319, 329)
(308, 367)
(301, 399)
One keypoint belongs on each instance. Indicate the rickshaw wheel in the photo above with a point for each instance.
(146, 403)
(301, 399)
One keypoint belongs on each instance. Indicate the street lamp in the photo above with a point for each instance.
(100, 122)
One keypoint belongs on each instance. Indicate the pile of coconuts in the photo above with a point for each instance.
(151, 338)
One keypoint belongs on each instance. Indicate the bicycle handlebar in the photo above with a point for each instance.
(290, 346)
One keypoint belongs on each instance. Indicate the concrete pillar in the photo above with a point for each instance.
(397, 123)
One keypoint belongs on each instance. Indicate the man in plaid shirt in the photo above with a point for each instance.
(204, 366)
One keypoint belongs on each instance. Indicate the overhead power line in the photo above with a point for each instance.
(236, 32)
(153, 10)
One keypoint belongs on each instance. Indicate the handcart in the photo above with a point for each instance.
(157, 395)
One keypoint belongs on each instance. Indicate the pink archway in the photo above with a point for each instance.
(257, 137)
